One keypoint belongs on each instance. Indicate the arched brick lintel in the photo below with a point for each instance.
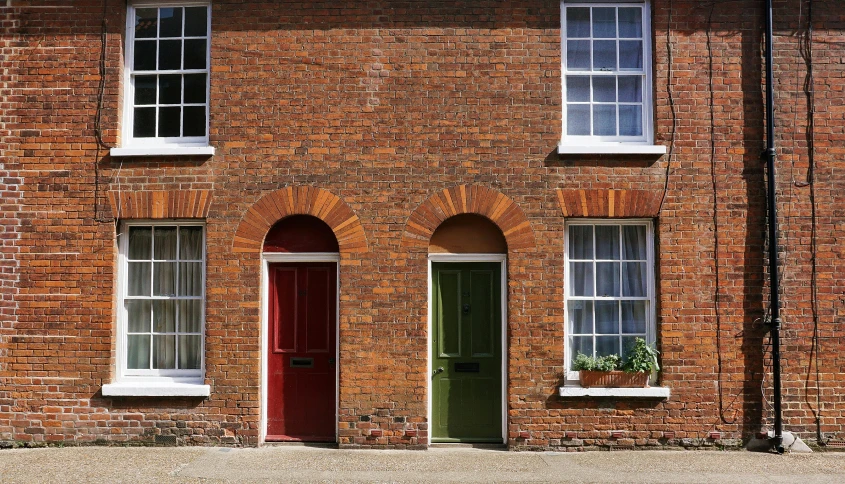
(609, 203)
(299, 200)
(494, 205)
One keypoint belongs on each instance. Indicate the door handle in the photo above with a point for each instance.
(331, 361)
(438, 370)
(466, 308)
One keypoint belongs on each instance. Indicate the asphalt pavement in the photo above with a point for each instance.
(294, 464)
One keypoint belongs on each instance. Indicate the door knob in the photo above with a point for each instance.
(466, 308)
(438, 370)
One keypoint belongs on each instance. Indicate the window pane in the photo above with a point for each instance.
(189, 352)
(171, 22)
(164, 282)
(168, 123)
(630, 22)
(146, 26)
(634, 279)
(604, 120)
(607, 242)
(193, 121)
(604, 55)
(195, 54)
(138, 283)
(630, 54)
(580, 344)
(604, 22)
(138, 352)
(578, 88)
(144, 57)
(196, 21)
(140, 243)
(631, 120)
(138, 315)
(190, 279)
(195, 88)
(169, 54)
(607, 279)
(144, 123)
(164, 316)
(604, 89)
(170, 89)
(145, 90)
(164, 352)
(607, 345)
(633, 317)
(580, 317)
(630, 89)
(628, 343)
(578, 22)
(581, 278)
(190, 316)
(607, 317)
(578, 120)
(581, 242)
(634, 242)
(190, 243)
(165, 243)
(578, 54)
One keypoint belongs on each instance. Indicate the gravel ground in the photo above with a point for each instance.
(306, 464)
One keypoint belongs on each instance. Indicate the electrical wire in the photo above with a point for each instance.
(98, 132)
(715, 218)
(806, 50)
(671, 98)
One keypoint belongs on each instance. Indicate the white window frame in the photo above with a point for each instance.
(572, 377)
(153, 382)
(183, 145)
(611, 144)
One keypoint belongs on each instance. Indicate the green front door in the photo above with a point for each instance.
(466, 358)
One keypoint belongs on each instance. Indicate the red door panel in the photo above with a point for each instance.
(301, 384)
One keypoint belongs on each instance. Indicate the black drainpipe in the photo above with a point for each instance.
(777, 440)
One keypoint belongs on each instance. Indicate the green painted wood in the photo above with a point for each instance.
(467, 345)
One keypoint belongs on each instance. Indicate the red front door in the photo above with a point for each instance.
(301, 365)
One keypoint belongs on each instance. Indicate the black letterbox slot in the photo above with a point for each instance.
(467, 367)
(302, 362)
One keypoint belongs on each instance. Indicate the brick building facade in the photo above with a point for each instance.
(392, 121)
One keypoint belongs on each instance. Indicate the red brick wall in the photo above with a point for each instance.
(387, 105)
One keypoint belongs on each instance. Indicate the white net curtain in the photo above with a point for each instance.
(164, 297)
(608, 288)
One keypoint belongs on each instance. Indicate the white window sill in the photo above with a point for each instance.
(164, 151)
(580, 392)
(155, 389)
(610, 149)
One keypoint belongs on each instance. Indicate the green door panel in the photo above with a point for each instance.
(482, 314)
(467, 345)
(449, 322)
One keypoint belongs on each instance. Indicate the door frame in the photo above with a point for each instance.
(276, 257)
(502, 259)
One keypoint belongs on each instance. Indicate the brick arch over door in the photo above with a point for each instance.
(490, 203)
(300, 200)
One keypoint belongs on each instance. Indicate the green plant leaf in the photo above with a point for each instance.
(642, 358)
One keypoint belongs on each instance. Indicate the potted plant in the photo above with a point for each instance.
(611, 371)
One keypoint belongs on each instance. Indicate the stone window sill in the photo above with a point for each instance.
(610, 149)
(164, 151)
(579, 392)
(156, 389)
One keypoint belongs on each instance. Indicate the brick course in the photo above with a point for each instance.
(394, 114)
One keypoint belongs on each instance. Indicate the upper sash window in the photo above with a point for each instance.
(606, 73)
(167, 74)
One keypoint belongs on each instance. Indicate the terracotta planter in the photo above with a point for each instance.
(613, 379)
